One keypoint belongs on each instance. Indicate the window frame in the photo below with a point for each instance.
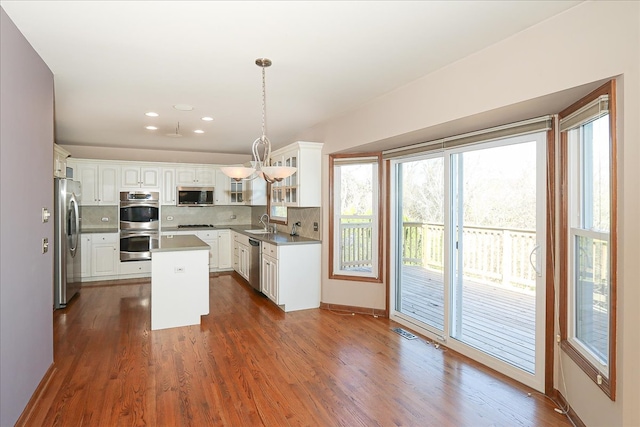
(377, 245)
(578, 353)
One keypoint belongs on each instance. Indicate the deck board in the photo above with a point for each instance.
(496, 320)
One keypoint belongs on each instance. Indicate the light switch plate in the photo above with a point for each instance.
(45, 215)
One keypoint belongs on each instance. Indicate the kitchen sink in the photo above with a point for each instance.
(258, 231)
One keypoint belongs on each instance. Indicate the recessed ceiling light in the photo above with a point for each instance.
(207, 119)
(151, 114)
(183, 107)
(151, 128)
(198, 131)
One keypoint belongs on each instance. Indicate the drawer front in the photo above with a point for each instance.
(208, 235)
(105, 238)
(270, 250)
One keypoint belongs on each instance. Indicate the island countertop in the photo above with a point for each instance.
(188, 242)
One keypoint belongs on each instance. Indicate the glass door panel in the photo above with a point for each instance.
(495, 253)
(420, 265)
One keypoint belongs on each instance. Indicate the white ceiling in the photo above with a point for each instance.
(114, 61)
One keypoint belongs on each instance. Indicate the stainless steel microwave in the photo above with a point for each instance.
(194, 196)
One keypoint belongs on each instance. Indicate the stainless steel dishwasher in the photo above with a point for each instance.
(254, 264)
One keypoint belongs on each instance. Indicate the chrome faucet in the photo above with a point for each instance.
(266, 224)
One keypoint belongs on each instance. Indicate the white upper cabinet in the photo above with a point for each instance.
(100, 181)
(196, 176)
(135, 177)
(223, 187)
(168, 190)
(303, 188)
(59, 161)
(256, 192)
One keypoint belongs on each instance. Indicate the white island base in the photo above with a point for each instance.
(179, 282)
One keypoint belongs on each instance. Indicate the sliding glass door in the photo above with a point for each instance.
(420, 291)
(469, 239)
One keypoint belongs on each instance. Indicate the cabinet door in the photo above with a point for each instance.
(150, 178)
(85, 255)
(243, 260)
(87, 174)
(256, 192)
(168, 193)
(269, 278)
(104, 259)
(205, 176)
(109, 188)
(236, 192)
(185, 176)
(130, 177)
(224, 249)
(221, 192)
(290, 184)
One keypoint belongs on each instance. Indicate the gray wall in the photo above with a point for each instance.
(26, 275)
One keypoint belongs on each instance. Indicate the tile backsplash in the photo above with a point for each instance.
(92, 217)
(216, 215)
(306, 216)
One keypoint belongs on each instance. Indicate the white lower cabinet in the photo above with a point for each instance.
(105, 254)
(290, 275)
(133, 269)
(241, 255)
(220, 243)
(269, 278)
(224, 249)
(211, 239)
(85, 255)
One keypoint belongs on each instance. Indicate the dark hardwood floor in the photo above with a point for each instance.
(250, 364)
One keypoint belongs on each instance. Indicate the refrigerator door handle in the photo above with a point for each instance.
(75, 233)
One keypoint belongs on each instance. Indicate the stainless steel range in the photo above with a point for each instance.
(139, 224)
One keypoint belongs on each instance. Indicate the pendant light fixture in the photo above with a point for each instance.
(261, 162)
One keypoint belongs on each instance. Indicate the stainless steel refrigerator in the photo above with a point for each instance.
(67, 254)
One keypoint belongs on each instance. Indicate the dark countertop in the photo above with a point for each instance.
(187, 242)
(273, 238)
(92, 230)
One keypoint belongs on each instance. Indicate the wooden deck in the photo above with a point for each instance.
(496, 320)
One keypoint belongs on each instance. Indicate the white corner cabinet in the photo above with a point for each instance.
(303, 188)
(219, 242)
(60, 161)
(290, 275)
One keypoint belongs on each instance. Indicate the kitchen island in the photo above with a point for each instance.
(179, 281)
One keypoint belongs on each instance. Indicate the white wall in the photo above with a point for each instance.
(26, 275)
(591, 42)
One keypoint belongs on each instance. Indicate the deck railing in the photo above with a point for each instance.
(486, 250)
(356, 232)
(491, 255)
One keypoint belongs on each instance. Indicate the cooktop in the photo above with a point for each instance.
(196, 226)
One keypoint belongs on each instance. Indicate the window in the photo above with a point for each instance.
(354, 226)
(588, 241)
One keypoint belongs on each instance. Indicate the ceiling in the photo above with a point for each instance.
(115, 61)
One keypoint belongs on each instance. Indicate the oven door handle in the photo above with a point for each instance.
(139, 205)
(138, 234)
